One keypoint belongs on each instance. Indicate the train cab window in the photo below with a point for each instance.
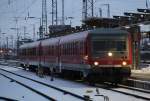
(101, 47)
(121, 45)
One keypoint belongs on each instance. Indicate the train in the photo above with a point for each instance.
(97, 55)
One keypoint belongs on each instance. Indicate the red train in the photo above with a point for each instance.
(103, 54)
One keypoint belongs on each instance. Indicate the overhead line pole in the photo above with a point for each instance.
(63, 20)
(44, 19)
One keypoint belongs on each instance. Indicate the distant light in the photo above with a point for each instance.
(86, 57)
(110, 54)
(10, 51)
(144, 33)
(141, 25)
(1, 51)
(127, 27)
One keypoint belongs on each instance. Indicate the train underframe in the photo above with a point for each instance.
(109, 74)
(92, 75)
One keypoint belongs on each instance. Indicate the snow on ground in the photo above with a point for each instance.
(145, 68)
(15, 91)
(77, 88)
(133, 92)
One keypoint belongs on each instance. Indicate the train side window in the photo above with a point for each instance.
(65, 49)
(24, 52)
(69, 49)
(62, 49)
(76, 48)
(32, 51)
(49, 50)
(73, 48)
(80, 48)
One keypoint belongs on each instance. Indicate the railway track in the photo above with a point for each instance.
(120, 89)
(81, 98)
(7, 99)
(32, 89)
(130, 91)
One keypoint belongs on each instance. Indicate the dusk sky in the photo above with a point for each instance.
(20, 8)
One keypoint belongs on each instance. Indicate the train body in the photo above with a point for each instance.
(103, 54)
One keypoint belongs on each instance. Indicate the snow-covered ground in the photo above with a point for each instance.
(145, 68)
(16, 91)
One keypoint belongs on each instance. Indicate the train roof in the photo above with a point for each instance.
(50, 41)
(99, 31)
(109, 31)
(79, 36)
(29, 45)
(74, 37)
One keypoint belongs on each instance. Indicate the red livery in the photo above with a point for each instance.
(103, 54)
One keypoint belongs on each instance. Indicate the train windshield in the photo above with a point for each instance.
(102, 46)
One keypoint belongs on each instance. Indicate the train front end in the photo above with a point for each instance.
(110, 55)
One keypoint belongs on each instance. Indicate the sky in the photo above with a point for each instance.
(9, 9)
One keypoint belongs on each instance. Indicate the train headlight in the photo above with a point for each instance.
(110, 54)
(96, 63)
(124, 63)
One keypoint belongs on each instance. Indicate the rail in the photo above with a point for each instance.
(58, 89)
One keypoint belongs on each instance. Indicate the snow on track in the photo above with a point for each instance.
(45, 90)
(15, 91)
(133, 92)
(74, 87)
